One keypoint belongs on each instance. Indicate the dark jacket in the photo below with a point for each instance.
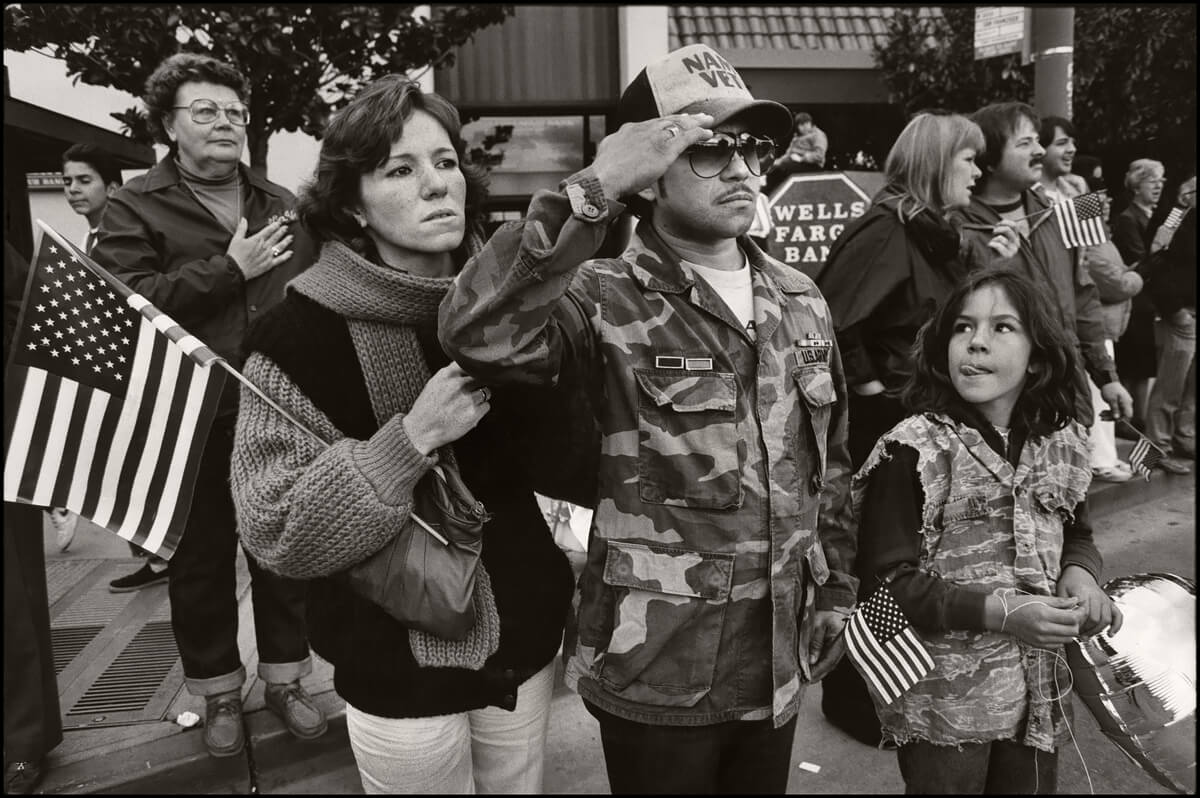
(883, 279)
(1131, 234)
(158, 239)
(374, 669)
(1173, 284)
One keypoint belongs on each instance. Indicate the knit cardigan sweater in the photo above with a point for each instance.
(310, 511)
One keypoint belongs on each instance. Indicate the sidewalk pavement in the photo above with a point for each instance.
(162, 757)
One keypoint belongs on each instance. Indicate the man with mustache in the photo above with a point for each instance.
(1012, 165)
(710, 596)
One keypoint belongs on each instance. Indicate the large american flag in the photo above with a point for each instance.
(883, 646)
(107, 402)
(1081, 220)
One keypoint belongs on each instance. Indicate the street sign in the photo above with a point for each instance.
(999, 30)
(808, 213)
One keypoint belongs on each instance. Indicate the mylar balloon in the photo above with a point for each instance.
(1141, 682)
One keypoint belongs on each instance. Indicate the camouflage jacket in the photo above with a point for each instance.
(716, 453)
(986, 525)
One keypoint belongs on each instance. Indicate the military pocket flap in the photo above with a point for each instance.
(676, 572)
(689, 393)
(816, 385)
(966, 507)
(1053, 500)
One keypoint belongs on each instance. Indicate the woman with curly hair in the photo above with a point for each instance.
(353, 352)
(210, 243)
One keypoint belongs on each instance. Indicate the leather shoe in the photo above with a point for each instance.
(1173, 465)
(22, 778)
(301, 715)
(224, 734)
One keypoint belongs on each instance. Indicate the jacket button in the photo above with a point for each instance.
(253, 308)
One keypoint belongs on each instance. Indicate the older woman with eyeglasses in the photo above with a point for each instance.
(211, 244)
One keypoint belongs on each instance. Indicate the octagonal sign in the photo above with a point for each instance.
(808, 213)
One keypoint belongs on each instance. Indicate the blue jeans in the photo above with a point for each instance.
(1171, 415)
(203, 590)
(738, 757)
(1003, 767)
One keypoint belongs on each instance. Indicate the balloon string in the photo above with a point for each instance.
(1059, 693)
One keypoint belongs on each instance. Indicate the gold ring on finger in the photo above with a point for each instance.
(275, 252)
(672, 131)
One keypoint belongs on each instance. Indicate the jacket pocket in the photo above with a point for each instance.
(687, 440)
(669, 610)
(971, 544)
(816, 387)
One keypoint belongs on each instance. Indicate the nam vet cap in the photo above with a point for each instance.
(697, 79)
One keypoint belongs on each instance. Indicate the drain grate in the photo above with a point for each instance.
(67, 642)
(135, 677)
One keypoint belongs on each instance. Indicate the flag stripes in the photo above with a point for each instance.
(1080, 221)
(1144, 456)
(884, 647)
(107, 403)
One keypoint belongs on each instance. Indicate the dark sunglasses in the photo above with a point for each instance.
(204, 112)
(709, 158)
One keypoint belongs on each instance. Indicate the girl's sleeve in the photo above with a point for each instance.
(1079, 548)
(889, 551)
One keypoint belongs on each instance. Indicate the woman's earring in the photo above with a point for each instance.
(362, 220)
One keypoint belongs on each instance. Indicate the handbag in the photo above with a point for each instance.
(425, 576)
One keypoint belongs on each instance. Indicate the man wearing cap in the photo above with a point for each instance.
(710, 596)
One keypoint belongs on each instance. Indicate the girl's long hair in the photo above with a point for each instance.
(1047, 402)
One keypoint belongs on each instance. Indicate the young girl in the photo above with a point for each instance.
(973, 512)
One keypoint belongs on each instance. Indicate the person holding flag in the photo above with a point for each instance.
(976, 560)
(212, 244)
(1012, 166)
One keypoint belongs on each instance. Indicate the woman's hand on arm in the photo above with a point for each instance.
(449, 406)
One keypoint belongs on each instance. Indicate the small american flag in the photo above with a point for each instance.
(107, 402)
(1174, 217)
(883, 646)
(1080, 220)
(1144, 456)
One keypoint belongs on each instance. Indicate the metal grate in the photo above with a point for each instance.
(67, 642)
(135, 676)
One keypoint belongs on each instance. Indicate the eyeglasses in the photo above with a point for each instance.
(709, 158)
(204, 112)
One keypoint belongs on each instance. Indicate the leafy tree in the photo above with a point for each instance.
(929, 62)
(302, 61)
(1134, 91)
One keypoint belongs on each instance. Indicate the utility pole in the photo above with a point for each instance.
(1053, 34)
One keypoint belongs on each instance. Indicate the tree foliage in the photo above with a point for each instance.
(1134, 81)
(929, 62)
(302, 61)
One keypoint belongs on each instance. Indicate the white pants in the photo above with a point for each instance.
(1102, 438)
(486, 751)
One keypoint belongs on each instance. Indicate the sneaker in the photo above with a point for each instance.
(22, 778)
(64, 522)
(224, 733)
(301, 715)
(1173, 465)
(143, 577)
(1112, 474)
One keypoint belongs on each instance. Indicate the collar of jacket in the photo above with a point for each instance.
(980, 211)
(656, 267)
(165, 174)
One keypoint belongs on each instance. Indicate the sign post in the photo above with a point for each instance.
(809, 212)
